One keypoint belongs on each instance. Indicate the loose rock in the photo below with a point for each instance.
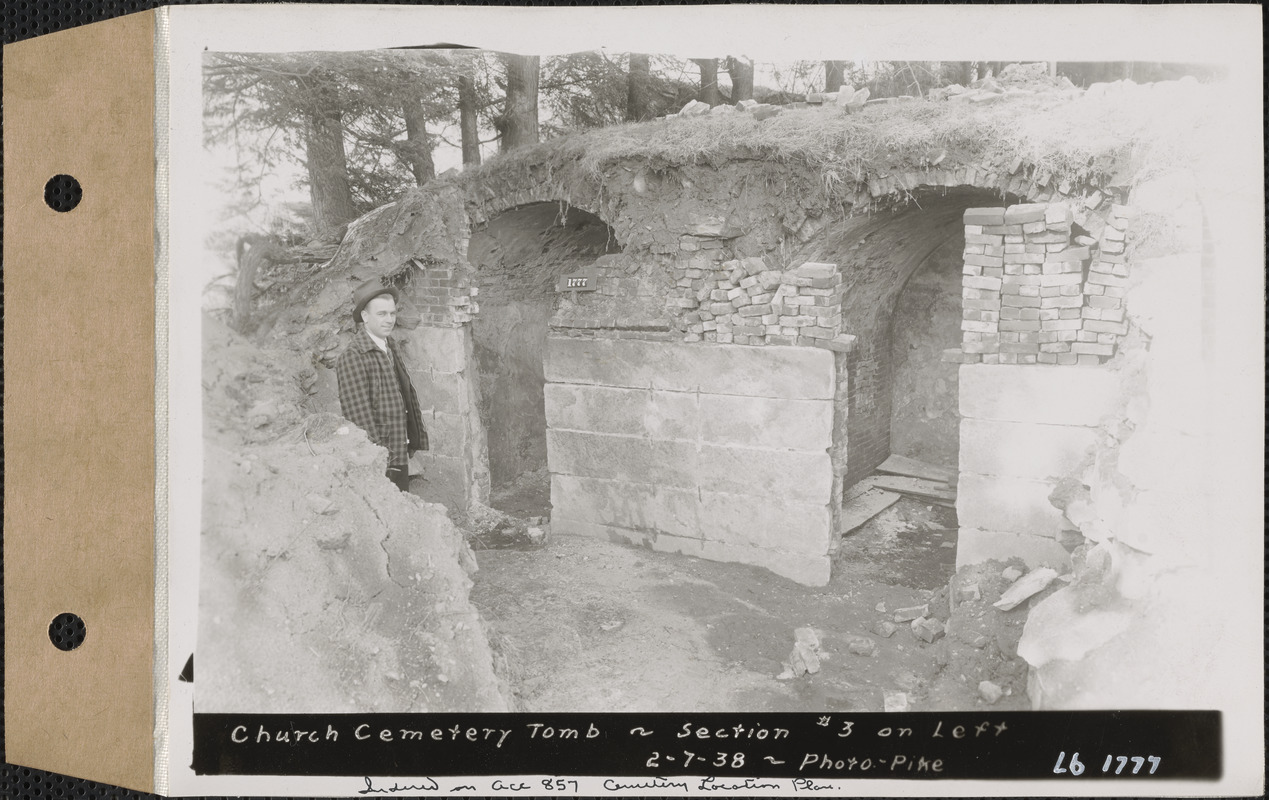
(927, 629)
(990, 691)
(862, 646)
(909, 614)
(1025, 587)
(894, 701)
(884, 628)
(319, 504)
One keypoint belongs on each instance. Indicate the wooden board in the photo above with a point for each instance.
(863, 507)
(855, 490)
(916, 487)
(912, 468)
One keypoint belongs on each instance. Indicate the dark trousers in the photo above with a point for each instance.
(400, 476)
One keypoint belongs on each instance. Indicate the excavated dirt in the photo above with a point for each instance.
(322, 587)
(587, 625)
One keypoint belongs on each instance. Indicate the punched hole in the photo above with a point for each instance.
(62, 193)
(67, 631)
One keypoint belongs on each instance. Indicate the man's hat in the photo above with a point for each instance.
(368, 291)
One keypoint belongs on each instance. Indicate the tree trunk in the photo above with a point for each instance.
(253, 249)
(709, 81)
(418, 146)
(327, 164)
(467, 121)
(741, 72)
(834, 76)
(520, 119)
(969, 72)
(638, 81)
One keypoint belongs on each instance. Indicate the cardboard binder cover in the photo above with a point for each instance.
(79, 350)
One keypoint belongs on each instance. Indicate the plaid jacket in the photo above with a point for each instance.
(370, 397)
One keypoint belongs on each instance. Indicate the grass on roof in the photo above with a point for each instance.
(1073, 136)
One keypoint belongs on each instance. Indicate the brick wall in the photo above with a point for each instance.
(745, 301)
(443, 295)
(1036, 291)
(868, 403)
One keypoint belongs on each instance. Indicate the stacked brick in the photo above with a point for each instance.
(444, 296)
(742, 301)
(1033, 293)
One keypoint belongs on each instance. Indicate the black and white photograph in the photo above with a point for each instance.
(720, 381)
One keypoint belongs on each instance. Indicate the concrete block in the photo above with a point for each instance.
(1014, 393)
(788, 372)
(757, 522)
(974, 546)
(439, 349)
(784, 476)
(625, 458)
(1017, 505)
(766, 422)
(1022, 449)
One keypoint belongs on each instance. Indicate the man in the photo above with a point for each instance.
(375, 391)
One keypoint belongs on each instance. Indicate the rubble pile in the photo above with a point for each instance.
(1013, 80)
(1038, 289)
(743, 301)
(847, 98)
(986, 609)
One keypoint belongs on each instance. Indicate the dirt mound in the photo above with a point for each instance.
(323, 588)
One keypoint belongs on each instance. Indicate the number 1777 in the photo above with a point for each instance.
(1077, 767)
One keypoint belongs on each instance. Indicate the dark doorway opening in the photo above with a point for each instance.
(519, 255)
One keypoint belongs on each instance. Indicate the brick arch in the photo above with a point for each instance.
(486, 199)
(1029, 182)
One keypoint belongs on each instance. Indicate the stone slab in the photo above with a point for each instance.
(785, 476)
(767, 422)
(625, 458)
(1015, 505)
(742, 519)
(1037, 393)
(440, 391)
(1022, 449)
(806, 570)
(974, 546)
(607, 409)
(638, 506)
(776, 371)
(567, 526)
(439, 349)
(446, 434)
(656, 510)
